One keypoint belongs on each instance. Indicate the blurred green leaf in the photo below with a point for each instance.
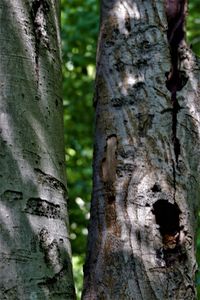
(193, 28)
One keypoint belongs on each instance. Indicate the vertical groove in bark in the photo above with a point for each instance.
(141, 243)
(176, 14)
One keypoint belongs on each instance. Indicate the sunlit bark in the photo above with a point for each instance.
(146, 161)
(34, 242)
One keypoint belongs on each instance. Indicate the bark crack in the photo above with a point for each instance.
(176, 79)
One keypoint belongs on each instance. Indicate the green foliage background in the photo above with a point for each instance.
(80, 22)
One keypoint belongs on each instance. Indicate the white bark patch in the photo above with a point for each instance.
(120, 13)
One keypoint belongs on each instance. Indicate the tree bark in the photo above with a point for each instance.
(146, 160)
(35, 260)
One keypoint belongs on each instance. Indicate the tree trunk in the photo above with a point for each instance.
(146, 161)
(35, 249)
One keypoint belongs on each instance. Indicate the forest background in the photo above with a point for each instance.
(80, 24)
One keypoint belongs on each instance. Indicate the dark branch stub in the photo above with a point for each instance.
(156, 188)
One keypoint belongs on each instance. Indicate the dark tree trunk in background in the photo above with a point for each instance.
(35, 254)
(146, 162)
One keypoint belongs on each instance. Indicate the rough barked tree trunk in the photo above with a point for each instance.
(146, 162)
(34, 242)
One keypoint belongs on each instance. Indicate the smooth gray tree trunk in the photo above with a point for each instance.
(35, 260)
(147, 152)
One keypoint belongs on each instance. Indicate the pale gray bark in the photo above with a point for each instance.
(146, 161)
(34, 242)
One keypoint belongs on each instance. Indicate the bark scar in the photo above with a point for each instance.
(108, 172)
(41, 207)
(109, 162)
(109, 165)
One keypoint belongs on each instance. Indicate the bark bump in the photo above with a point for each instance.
(49, 180)
(58, 263)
